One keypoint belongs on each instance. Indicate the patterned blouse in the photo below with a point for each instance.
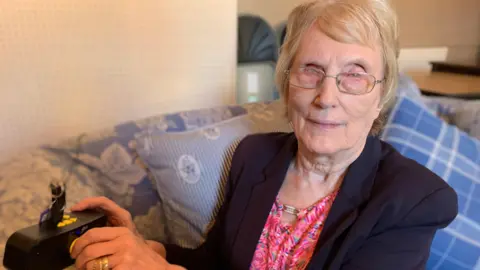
(284, 246)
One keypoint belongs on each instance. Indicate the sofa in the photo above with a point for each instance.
(169, 170)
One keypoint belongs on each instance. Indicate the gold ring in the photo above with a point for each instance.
(103, 263)
(72, 244)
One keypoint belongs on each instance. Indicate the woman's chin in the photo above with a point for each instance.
(323, 145)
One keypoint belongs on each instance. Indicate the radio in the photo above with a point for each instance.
(47, 245)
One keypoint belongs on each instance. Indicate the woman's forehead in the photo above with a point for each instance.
(320, 49)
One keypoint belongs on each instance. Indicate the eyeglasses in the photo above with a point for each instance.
(353, 83)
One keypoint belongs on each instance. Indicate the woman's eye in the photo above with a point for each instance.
(311, 70)
(355, 69)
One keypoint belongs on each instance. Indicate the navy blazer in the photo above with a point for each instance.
(384, 217)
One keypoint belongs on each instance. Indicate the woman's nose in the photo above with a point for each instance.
(327, 93)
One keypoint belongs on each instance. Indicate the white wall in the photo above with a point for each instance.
(73, 66)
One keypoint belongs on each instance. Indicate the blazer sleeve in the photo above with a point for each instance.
(406, 246)
(209, 254)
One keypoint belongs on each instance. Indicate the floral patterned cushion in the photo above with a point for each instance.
(24, 191)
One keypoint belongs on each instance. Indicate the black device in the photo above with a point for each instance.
(46, 245)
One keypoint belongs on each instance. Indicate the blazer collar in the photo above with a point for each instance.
(359, 178)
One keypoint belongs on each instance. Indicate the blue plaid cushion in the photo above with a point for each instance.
(453, 155)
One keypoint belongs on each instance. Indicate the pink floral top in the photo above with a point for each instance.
(284, 246)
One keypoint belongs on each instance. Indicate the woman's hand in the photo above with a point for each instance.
(158, 248)
(116, 216)
(122, 248)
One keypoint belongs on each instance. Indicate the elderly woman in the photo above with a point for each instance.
(330, 195)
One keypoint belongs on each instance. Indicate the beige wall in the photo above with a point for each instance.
(428, 23)
(274, 11)
(423, 23)
(73, 66)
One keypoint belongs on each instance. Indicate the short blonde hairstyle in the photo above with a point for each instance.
(364, 22)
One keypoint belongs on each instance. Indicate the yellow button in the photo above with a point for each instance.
(66, 216)
(67, 222)
(72, 244)
(61, 224)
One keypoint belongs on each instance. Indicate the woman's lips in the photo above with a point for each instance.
(326, 124)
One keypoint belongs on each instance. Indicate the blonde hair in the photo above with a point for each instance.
(364, 22)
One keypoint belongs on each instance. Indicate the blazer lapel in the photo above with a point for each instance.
(264, 189)
(355, 190)
(342, 214)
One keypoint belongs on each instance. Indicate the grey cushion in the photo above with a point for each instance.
(455, 111)
(468, 119)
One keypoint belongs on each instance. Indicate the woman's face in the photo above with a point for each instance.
(324, 119)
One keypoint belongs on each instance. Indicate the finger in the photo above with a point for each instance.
(117, 261)
(97, 235)
(121, 267)
(113, 261)
(81, 205)
(97, 264)
(95, 252)
(103, 203)
(110, 208)
(91, 265)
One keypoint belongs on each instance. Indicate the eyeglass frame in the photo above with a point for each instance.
(337, 81)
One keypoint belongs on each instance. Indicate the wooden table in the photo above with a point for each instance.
(447, 84)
